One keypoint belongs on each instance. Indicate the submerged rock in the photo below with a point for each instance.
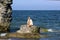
(25, 29)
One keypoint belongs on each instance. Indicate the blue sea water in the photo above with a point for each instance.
(49, 19)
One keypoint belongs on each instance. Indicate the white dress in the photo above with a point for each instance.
(31, 22)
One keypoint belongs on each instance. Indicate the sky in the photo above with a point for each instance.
(35, 5)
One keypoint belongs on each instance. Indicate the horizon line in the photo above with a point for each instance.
(12, 9)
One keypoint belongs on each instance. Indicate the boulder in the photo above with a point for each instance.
(25, 29)
(5, 14)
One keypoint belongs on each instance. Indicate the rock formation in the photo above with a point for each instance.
(5, 14)
(25, 29)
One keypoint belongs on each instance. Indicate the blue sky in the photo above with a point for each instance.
(35, 5)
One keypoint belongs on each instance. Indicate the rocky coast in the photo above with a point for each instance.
(5, 15)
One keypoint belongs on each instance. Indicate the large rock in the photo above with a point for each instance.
(25, 29)
(5, 14)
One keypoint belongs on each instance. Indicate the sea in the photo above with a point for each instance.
(49, 19)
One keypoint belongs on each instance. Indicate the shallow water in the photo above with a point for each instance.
(45, 19)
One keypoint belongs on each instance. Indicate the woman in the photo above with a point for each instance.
(29, 22)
